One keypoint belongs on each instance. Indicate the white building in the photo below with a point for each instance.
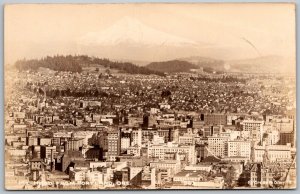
(187, 139)
(217, 145)
(252, 129)
(172, 166)
(284, 125)
(202, 167)
(96, 177)
(272, 137)
(125, 143)
(134, 150)
(89, 177)
(273, 152)
(232, 134)
(239, 148)
(249, 125)
(136, 137)
(77, 175)
(195, 180)
(159, 151)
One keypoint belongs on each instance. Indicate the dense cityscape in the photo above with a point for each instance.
(105, 129)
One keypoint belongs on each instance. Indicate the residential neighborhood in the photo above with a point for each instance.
(68, 130)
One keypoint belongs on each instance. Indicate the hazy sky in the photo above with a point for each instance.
(229, 29)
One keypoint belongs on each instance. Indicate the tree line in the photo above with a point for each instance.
(75, 64)
(56, 63)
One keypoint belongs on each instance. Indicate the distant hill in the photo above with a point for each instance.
(172, 66)
(76, 63)
(56, 63)
(208, 64)
(263, 64)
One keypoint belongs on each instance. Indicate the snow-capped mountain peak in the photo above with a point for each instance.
(131, 31)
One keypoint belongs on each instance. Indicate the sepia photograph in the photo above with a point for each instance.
(150, 96)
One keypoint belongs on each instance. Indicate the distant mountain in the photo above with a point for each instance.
(172, 66)
(130, 38)
(131, 31)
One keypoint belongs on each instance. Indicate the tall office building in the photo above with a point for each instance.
(114, 144)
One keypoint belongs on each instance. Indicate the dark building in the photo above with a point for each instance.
(145, 121)
(149, 121)
(68, 157)
(166, 133)
(201, 117)
(173, 134)
(95, 153)
(201, 152)
(286, 138)
(215, 119)
(121, 176)
(136, 180)
(126, 134)
(102, 140)
(211, 130)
